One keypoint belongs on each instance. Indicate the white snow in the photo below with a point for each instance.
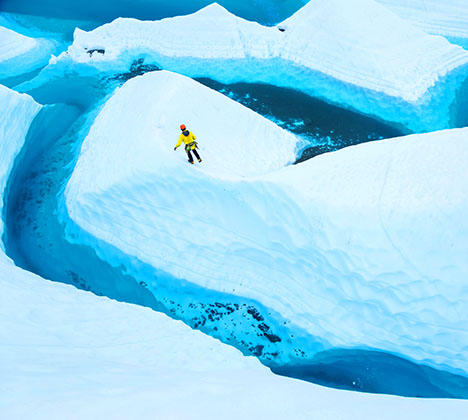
(365, 247)
(448, 18)
(355, 53)
(21, 54)
(66, 353)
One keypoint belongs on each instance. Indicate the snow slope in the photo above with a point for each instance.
(448, 18)
(21, 54)
(66, 353)
(365, 247)
(359, 54)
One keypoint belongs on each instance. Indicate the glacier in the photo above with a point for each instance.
(37, 315)
(69, 353)
(360, 56)
(369, 271)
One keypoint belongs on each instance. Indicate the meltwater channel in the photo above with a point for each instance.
(35, 240)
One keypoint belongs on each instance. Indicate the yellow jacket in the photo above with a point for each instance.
(189, 140)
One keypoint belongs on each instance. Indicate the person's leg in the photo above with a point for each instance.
(190, 158)
(196, 154)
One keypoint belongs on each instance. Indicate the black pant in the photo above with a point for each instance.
(190, 155)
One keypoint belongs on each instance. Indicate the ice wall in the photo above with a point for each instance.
(18, 112)
(365, 247)
(361, 56)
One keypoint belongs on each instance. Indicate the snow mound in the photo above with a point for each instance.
(359, 55)
(365, 247)
(448, 18)
(138, 362)
(21, 54)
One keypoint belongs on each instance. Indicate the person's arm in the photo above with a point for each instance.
(179, 142)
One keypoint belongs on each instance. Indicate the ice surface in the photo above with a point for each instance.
(66, 353)
(359, 55)
(448, 18)
(365, 247)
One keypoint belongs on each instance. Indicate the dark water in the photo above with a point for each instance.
(377, 372)
(325, 127)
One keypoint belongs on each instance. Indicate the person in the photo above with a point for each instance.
(190, 144)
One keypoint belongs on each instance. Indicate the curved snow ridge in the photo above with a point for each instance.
(365, 247)
(338, 50)
(21, 54)
(448, 18)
